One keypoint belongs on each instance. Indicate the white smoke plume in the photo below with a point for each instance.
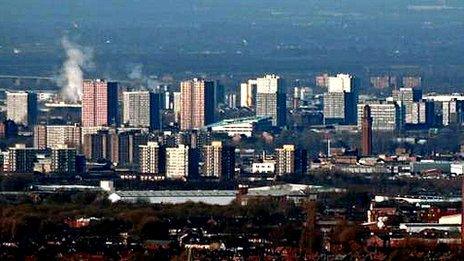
(71, 75)
(138, 78)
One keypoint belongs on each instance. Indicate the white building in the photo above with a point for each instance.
(248, 93)
(263, 167)
(241, 126)
(21, 107)
(150, 157)
(457, 168)
(340, 100)
(341, 83)
(271, 99)
(385, 116)
(57, 135)
(177, 162)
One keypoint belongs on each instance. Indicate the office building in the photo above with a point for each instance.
(219, 161)
(63, 159)
(197, 104)
(366, 131)
(178, 162)
(142, 109)
(290, 160)
(21, 159)
(100, 103)
(22, 107)
(248, 94)
(385, 115)
(271, 99)
(340, 100)
(152, 159)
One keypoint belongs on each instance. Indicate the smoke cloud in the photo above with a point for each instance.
(71, 75)
(138, 78)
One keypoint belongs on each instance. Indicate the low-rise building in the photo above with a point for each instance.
(242, 126)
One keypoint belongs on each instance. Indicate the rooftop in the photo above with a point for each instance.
(252, 119)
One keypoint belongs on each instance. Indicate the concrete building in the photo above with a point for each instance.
(405, 98)
(152, 159)
(120, 146)
(452, 112)
(100, 146)
(40, 137)
(271, 99)
(63, 159)
(70, 135)
(231, 100)
(197, 103)
(219, 161)
(385, 116)
(266, 167)
(99, 103)
(241, 126)
(340, 100)
(291, 161)
(142, 109)
(22, 107)
(248, 94)
(177, 106)
(423, 113)
(341, 83)
(178, 162)
(21, 159)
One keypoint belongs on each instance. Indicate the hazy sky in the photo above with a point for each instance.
(233, 35)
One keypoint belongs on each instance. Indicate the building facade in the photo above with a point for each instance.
(340, 100)
(142, 109)
(386, 116)
(291, 161)
(21, 159)
(63, 159)
(178, 162)
(22, 107)
(152, 159)
(197, 104)
(99, 103)
(219, 161)
(271, 99)
(248, 94)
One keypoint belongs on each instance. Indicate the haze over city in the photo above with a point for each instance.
(232, 130)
